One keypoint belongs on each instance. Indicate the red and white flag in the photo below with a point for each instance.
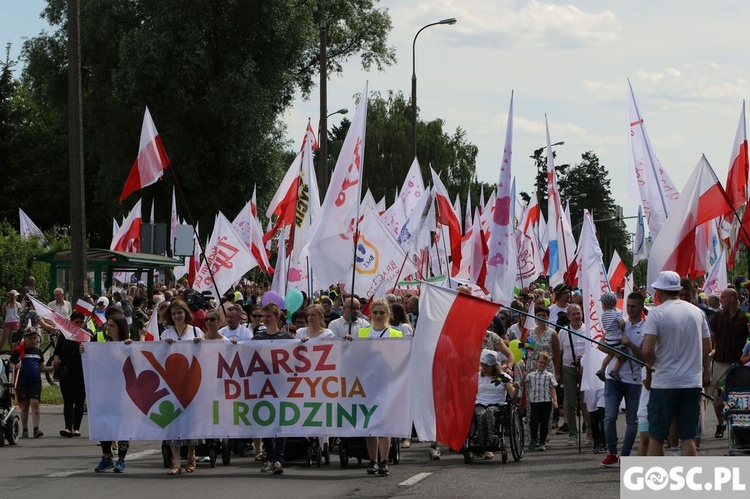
(654, 186)
(738, 165)
(502, 261)
(617, 272)
(68, 328)
(332, 233)
(284, 202)
(194, 262)
(445, 362)
(128, 237)
(227, 256)
(152, 327)
(249, 230)
(702, 199)
(479, 253)
(446, 216)
(83, 307)
(151, 161)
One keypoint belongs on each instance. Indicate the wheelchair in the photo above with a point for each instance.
(10, 423)
(510, 432)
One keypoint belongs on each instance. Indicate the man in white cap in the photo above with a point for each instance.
(677, 344)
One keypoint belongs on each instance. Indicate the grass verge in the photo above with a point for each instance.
(51, 395)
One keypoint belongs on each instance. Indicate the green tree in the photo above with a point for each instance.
(388, 153)
(217, 76)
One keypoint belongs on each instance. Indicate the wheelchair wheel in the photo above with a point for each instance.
(13, 429)
(309, 455)
(166, 455)
(395, 451)
(504, 456)
(212, 456)
(319, 455)
(226, 452)
(327, 452)
(516, 437)
(343, 456)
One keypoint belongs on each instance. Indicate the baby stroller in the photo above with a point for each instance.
(356, 448)
(10, 423)
(737, 409)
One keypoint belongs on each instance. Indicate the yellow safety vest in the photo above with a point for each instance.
(364, 332)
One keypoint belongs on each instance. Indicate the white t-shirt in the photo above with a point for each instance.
(634, 334)
(340, 327)
(191, 332)
(65, 309)
(554, 310)
(406, 329)
(379, 333)
(327, 334)
(488, 393)
(579, 344)
(679, 328)
(242, 333)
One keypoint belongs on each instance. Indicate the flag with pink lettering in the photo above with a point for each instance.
(227, 256)
(332, 233)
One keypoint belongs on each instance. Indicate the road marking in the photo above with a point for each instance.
(129, 457)
(414, 480)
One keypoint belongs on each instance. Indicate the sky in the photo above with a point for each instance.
(569, 59)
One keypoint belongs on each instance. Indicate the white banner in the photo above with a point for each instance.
(156, 391)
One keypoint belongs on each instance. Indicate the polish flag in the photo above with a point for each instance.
(152, 327)
(447, 216)
(445, 362)
(738, 165)
(68, 328)
(128, 237)
(284, 201)
(151, 162)
(617, 272)
(83, 307)
(702, 199)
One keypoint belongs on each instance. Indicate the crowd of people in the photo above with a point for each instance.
(660, 355)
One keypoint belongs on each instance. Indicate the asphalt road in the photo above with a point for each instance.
(58, 467)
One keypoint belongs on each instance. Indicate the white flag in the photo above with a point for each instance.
(29, 228)
(716, 282)
(227, 256)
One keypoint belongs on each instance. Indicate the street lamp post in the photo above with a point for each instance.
(343, 110)
(450, 21)
(323, 125)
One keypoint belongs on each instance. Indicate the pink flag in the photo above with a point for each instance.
(502, 262)
(445, 360)
(68, 328)
(657, 191)
(128, 237)
(738, 165)
(332, 233)
(702, 199)
(617, 272)
(447, 217)
(151, 162)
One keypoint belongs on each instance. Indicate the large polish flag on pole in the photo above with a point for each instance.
(617, 272)
(655, 188)
(128, 237)
(702, 199)
(592, 280)
(151, 161)
(738, 165)
(332, 233)
(445, 362)
(502, 261)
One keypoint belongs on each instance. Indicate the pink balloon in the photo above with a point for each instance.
(272, 297)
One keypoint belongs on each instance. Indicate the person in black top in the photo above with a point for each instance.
(29, 385)
(66, 361)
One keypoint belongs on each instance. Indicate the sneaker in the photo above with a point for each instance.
(542, 448)
(674, 451)
(120, 466)
(267, 467)
(383, 468)
(25, 433)
(614, 375)
(277, 469)
(610, 461)
(720, 429)
(572, 440)
(104, 465)
(532, 444)
(603, 449)
(600, 375)
(598, 450)
(372, 468)
(434, 453)
(562, 430)
(38, 434)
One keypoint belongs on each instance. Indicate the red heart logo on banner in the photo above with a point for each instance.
(143, 389)
(182, 377)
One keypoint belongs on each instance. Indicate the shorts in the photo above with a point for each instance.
(12, 326)
(29, 392)
(680, 404)
(718, 369)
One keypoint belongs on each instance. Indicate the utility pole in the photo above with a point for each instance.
(323, 126)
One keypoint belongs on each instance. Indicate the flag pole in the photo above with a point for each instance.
(195, 232)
